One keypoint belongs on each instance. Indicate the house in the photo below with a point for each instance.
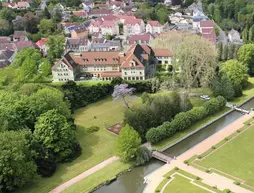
(206, 28)
(25, 44)
(80, 14)
(42, 45)
(107, 45)
(22, 5)
(122, 18)
(94, 26)
(167, 2)
(109, 27)
(133, 26)
(163, 57)
(19, 36)
(154, 27)
(234, 36)
(43, 5)
(81, 32)
(99, 13)
(139, 39)
(135, 64)
(4, 39)
(88, 5)
(6, 57)
(77, 45)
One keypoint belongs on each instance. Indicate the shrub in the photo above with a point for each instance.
(197, 178)
(211, 106)
(181, 121)
(168, 177)
(176, 168)
(186, 161)
(238, 131)
(93, 129)
(237, 183)
(200, 157)
(213, 147)
(226, 139)
(207, 171)
(155, 135)
(157, 190)
(221, 101)
(196, 114)
(227, 191)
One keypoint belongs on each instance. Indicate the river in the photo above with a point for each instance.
(132, 182)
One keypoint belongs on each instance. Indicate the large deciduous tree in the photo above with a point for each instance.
(128, 143)
(246, 55)
(236, 71)
(56, 46)
(196, 59)
(47, 26)
(54, 134)
(17, 167)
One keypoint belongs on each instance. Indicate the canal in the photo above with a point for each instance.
(132, 182)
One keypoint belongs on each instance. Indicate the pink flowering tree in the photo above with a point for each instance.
(121, 92)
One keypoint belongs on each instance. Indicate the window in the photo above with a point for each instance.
(140, 73)
(125, 73)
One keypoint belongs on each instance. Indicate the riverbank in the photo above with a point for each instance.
(222, 183)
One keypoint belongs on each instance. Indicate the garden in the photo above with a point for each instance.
(178, 180)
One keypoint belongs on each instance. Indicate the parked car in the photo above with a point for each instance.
(205, 97)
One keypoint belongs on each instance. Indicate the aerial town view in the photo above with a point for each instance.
(126, 96)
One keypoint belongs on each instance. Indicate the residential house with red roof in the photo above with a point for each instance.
(42, 45)
(99, 12)
(94, 26)
(164, 57)
(133, 26)
(154, 27)
(81, 32)
(136, 64)
(77, 45)
(142, 39)
(109, 27)
(19, 36)
(80, 14)
(206, 28)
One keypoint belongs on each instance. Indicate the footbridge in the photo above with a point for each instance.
(233, 106)
(162, 157)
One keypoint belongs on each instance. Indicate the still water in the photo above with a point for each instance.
(132, 182)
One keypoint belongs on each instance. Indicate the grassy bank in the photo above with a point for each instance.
(99, 178)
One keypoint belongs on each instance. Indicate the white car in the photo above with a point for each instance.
(205, 97)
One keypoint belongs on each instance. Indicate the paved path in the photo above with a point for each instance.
(213, 179)
(85, 174)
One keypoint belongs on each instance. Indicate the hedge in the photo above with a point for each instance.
(80, 96)
(184, 120)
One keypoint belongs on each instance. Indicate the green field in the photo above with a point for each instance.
(181, 184)
(96, 147)
(235, 157)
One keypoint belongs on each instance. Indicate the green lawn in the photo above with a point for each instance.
(164, 143)
(235, 157)
(96, 147)
(106, 174)
(181, 184)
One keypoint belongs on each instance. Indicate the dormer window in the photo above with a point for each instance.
(133, 63)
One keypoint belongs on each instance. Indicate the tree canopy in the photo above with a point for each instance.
(56, 46)
(246, 56)
(17, 167)
(128, 143)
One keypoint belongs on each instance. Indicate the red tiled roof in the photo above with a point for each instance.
(23, 44)
(41, 42)
(206, 24)
(107, 24)
(132, 21)
(125, 17)
(210, 36)
(4, 39)
(80, 13)
(95, 23)
(100, 12)
(97, 58)
(143, 38)
(162, 52)
(111, 74)
(108, 18)
(127, 62)
(22, 4)
(154, 23)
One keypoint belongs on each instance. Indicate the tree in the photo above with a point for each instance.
(245, 35)
(222, 86)
(162, 16)
(47, 26)
(7, 14)
(17, 167)
(46, 13)
(251, 34)
(231, 50)
(128, 143)
(5, 28)
(29, 65)
(225, 52)
(56, 46)
(217, 15)
(246, 55)
(236, 71)
(31, 22)
(54, 134)
(121, 92)
(220, 50)
(196, 57)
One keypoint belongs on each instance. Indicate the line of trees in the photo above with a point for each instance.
(184, 120)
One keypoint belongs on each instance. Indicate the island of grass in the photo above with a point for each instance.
(232, 158)
(178, 180)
